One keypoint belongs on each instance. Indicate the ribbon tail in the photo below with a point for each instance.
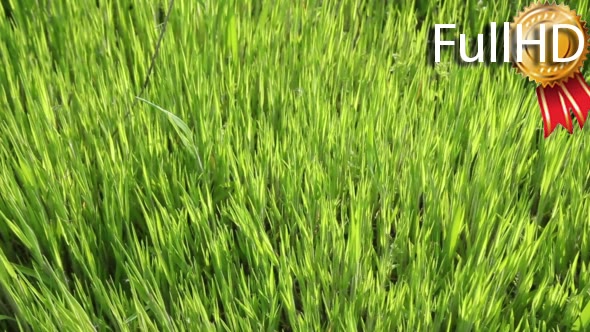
(577, 93)
(554, 109)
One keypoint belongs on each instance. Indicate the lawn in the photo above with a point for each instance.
(290, 165)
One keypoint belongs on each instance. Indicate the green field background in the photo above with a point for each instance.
(292, 165)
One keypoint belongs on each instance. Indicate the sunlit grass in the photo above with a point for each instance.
(290, 166)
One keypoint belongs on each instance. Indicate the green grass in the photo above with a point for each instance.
(293, 165)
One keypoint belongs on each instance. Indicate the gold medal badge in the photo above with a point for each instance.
(556, 70)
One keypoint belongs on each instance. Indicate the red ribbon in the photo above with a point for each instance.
(557, 101)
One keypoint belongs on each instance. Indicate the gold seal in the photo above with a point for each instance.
(548, 73)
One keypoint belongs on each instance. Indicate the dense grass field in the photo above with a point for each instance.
(291, 165)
